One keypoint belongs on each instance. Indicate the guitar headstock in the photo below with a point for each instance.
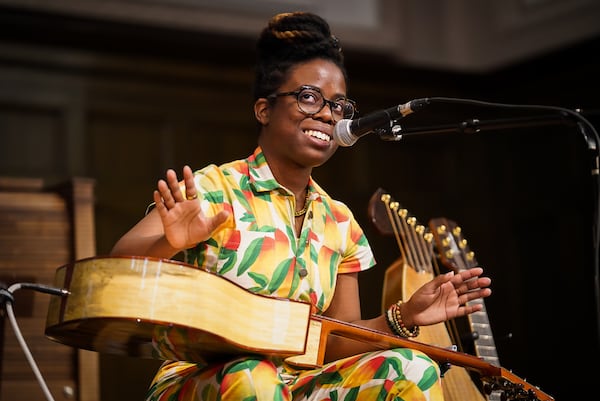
(511, 387)
(453, 248)
(413, 238)
(387, 215)
(378, 212)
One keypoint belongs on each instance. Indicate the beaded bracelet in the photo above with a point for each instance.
(389, 319)
(396, 325)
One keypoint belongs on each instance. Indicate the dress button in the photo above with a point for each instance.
(303, 273)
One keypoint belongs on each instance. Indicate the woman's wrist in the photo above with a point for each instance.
(396, 323)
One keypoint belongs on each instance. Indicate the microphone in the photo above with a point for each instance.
(346, 132)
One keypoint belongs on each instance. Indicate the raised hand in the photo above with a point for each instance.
(445, 297)
(183, 222)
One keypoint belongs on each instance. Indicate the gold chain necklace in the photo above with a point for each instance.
(302, 211)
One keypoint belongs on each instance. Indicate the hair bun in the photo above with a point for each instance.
(296, 36)
(289, 39)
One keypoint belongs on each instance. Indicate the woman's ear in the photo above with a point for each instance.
(262, 111)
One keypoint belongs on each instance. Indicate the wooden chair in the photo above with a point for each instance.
(41, 228)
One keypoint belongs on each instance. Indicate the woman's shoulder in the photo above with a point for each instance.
(226, 168)
(338, 207)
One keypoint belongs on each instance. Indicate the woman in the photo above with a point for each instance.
(264, 223)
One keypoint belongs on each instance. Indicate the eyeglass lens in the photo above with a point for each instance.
(311, 101)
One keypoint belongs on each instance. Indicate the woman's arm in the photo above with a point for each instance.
(146, 238)
(345, 306)
(176, 223)
(441, 299)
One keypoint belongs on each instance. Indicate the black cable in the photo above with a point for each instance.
(8, 299)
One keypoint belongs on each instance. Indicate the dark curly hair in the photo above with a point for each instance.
(289, 39)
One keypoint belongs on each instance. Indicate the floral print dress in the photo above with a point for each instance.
(257, 248)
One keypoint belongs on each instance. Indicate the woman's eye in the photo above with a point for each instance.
(308, 97)
(337, 106)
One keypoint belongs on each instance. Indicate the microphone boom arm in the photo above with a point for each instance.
(471, 126)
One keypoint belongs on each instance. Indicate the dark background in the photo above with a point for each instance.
(155, 98)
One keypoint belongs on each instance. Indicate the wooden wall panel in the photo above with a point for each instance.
(40, 230)
(26, 129)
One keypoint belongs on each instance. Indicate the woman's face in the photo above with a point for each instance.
(291, 136)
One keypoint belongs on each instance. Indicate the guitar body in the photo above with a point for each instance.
(163, 309)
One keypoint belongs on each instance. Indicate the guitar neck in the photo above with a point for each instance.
(483, 340)
(455, 254)
(386, 341)
(497, 378)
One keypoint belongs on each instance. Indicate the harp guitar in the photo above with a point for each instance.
(165, 309)
(415, 267)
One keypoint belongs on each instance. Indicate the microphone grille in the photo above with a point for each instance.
(342, 134)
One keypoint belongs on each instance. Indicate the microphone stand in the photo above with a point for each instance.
(555, 116)
(470, 126)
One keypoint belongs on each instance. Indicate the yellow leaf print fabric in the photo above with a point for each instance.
(258, 249)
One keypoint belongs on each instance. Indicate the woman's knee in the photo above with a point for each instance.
(413, 365)
(252, 377)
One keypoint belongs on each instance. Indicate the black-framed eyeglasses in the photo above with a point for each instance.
(311, 101)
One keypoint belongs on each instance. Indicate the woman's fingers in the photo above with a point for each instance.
(173, 184)
(159, 202)
(169, 192)
(190, 187)
(469, 285)
(166, 194)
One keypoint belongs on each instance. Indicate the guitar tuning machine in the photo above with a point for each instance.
(447, 365)
(444, 367)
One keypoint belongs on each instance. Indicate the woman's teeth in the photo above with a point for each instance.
(318, 134)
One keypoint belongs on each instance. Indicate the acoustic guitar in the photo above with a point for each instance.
(165, 309)
(455, 254)
(414, 268)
